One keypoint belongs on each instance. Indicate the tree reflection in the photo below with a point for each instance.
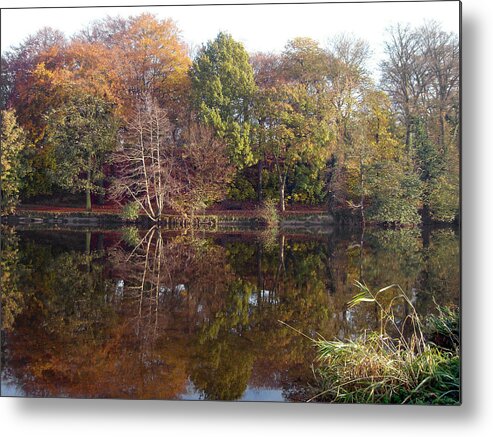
(149, 311)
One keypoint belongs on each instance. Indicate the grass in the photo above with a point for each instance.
(418, 363)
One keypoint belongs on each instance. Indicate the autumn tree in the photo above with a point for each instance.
(441, 53)
(290, 135)
(382, 183)
(291, 112)
(347, 79)
(13, 163)
(82, 133)
(223, 87)
(203, 170)
(148, 59)
(405, 75)
(421, 75)
(31, 98)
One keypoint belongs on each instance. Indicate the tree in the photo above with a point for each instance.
(144, 163)
(82, 132)
(148, 59)
(31, 97)
(441, 53)
(13, 162)
(405, 75)
(203, 170)
(347, 81)
(290, 134)
(223, 87)
(382, 183)
(437, 171)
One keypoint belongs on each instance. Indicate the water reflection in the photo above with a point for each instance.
(165, 315)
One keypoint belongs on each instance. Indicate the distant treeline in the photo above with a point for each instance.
(122, 110)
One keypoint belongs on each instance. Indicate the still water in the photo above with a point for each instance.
(175, 315)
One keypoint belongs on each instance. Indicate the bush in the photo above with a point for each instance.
(268, 213)
(131, 211)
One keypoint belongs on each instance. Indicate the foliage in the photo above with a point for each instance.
(440, 181)
(13, 165)
(444, 197)
(82, 132)
(223, 87)
(306, 125)
(395, 194)
(130, 211)
(241, 188)
(443, 329)
(203, 171)
(157, 171)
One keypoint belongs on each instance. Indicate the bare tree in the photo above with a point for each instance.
(405, 73)
(441, 52)
(144, 164)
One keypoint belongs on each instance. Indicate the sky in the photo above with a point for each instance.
(258, 27)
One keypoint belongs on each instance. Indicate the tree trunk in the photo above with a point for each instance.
(281, 196)
(426, 215)
(442, 130)
(88, 200)
(330, 174)
(259, 180)
(88, 192)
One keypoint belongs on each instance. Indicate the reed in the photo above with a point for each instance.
(401, 364)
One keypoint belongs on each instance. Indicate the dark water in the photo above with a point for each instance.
(196, 316)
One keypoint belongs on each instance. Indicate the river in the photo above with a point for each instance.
(144, 314)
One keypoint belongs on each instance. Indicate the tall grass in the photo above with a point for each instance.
(398, 365)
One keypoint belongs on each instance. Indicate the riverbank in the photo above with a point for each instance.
(312, 219)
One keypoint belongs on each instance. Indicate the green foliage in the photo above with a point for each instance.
(241, 189)
(131, 211)
(443, 329)
(444, 197)
(306, 184)
(82, 132)
(395, 193)
(13, 165)
(440, 179)
(223, 87)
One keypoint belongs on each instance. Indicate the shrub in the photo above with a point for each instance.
(268, 213)
(131, 211)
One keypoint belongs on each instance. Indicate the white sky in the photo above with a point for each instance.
(260, 28)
